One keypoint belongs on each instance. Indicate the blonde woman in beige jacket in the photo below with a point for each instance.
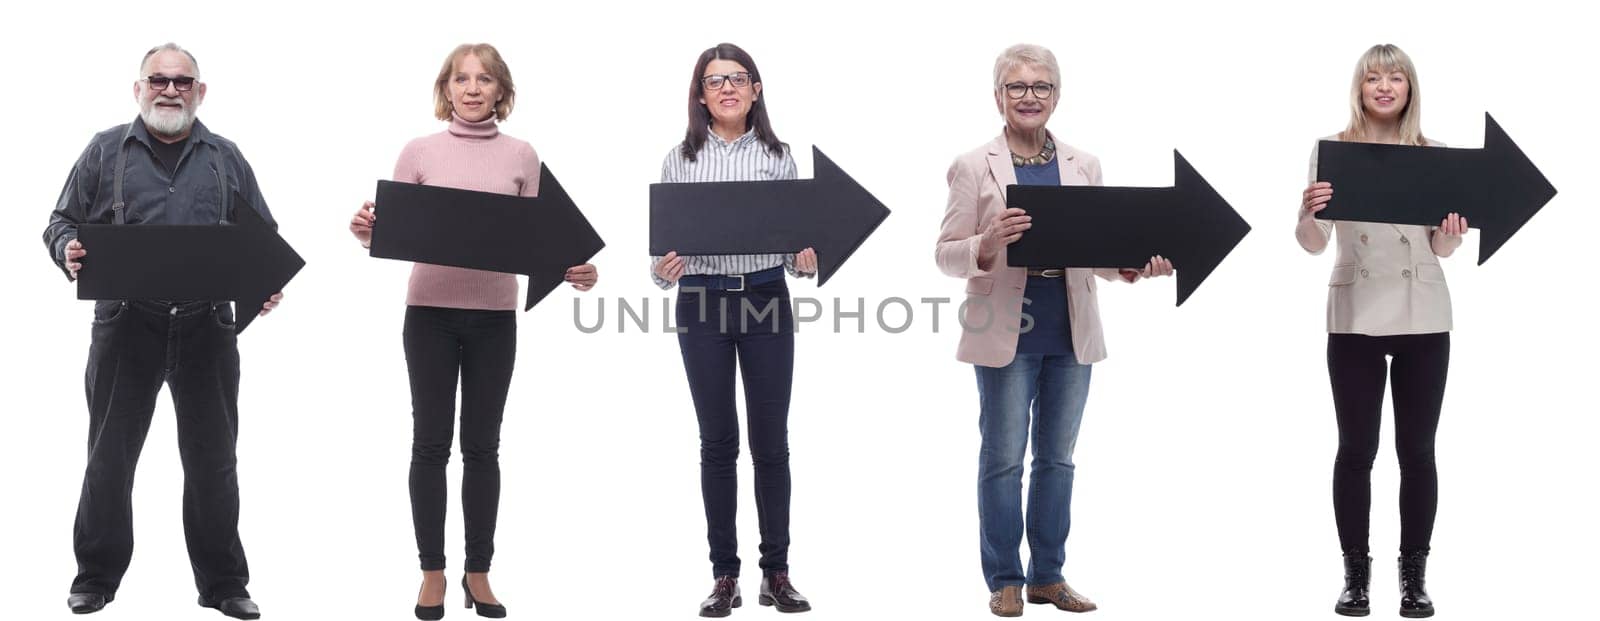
(1388, 315)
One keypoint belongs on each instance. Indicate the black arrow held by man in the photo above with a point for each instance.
(830, 213)
(245, 262)
(538, 236)
(1098, 226)
(1496, 188)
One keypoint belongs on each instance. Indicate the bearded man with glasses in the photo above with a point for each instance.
(163, 168)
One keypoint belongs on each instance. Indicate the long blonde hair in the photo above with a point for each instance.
(1385, 58)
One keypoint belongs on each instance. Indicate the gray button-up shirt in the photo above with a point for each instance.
(209, 173)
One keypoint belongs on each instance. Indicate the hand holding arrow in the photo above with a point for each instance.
(540, 236)
(832, 214)
(1098, 226)
(1497, 187)
(245, 262)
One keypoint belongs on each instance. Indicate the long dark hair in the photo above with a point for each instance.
(700, 118)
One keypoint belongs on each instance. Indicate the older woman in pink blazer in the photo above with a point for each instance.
(1038, 366)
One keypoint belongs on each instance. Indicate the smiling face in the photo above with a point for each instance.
(168, 112)
(1384, 93)
(1029, 114)
(473, 90)
(730, 104)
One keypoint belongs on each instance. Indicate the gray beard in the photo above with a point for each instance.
(165, 123)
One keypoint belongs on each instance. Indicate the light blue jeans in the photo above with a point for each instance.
(1052, 389)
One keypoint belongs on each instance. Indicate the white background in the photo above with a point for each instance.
(1206, 450)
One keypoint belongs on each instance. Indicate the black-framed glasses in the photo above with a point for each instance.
(740, 79)
(182, 82)
(1041, 90)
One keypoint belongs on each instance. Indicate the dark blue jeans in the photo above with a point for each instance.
(135, 347)
(1053, 390)
(751, 331)
(480, 348)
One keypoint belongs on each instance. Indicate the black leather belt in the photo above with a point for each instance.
(732, 282)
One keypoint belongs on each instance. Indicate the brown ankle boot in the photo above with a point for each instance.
(1061, 595)
(1006, 602)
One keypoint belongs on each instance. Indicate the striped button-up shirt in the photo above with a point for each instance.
(744, 159)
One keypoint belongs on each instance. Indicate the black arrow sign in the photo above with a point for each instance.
(832, 214)
(538, 236)
(1496, 188)
(1097, 226)
(245, 262)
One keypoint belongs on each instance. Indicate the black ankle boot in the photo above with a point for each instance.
(1353, 601)
(1414, 600)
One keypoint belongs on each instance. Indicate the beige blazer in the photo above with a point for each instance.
(1386, 277)
(992, 315)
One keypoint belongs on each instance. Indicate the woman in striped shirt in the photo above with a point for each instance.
(735, 312)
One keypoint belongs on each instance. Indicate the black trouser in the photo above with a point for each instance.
(479, 347)
(1356, 367)
(134, 348)
(724, 330)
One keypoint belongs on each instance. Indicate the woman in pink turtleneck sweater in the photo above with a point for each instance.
(462, 323)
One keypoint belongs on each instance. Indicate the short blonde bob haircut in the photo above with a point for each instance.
(1384, 59)
(491, 60)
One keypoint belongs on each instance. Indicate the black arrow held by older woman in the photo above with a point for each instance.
(1098, 226)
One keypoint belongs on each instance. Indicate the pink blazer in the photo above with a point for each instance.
(992, 315)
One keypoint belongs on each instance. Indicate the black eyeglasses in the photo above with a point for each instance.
(740, 79)
(182, 82)
(1041, 90)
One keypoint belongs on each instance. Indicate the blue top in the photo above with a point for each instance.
(1045, 299)
(1048, 173)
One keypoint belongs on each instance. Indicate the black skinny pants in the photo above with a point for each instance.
(480, 348)
(1357, 366)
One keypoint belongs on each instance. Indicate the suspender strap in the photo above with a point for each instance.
(119, 211)
(220, 169)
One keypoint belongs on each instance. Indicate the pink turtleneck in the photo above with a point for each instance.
(468, 156)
